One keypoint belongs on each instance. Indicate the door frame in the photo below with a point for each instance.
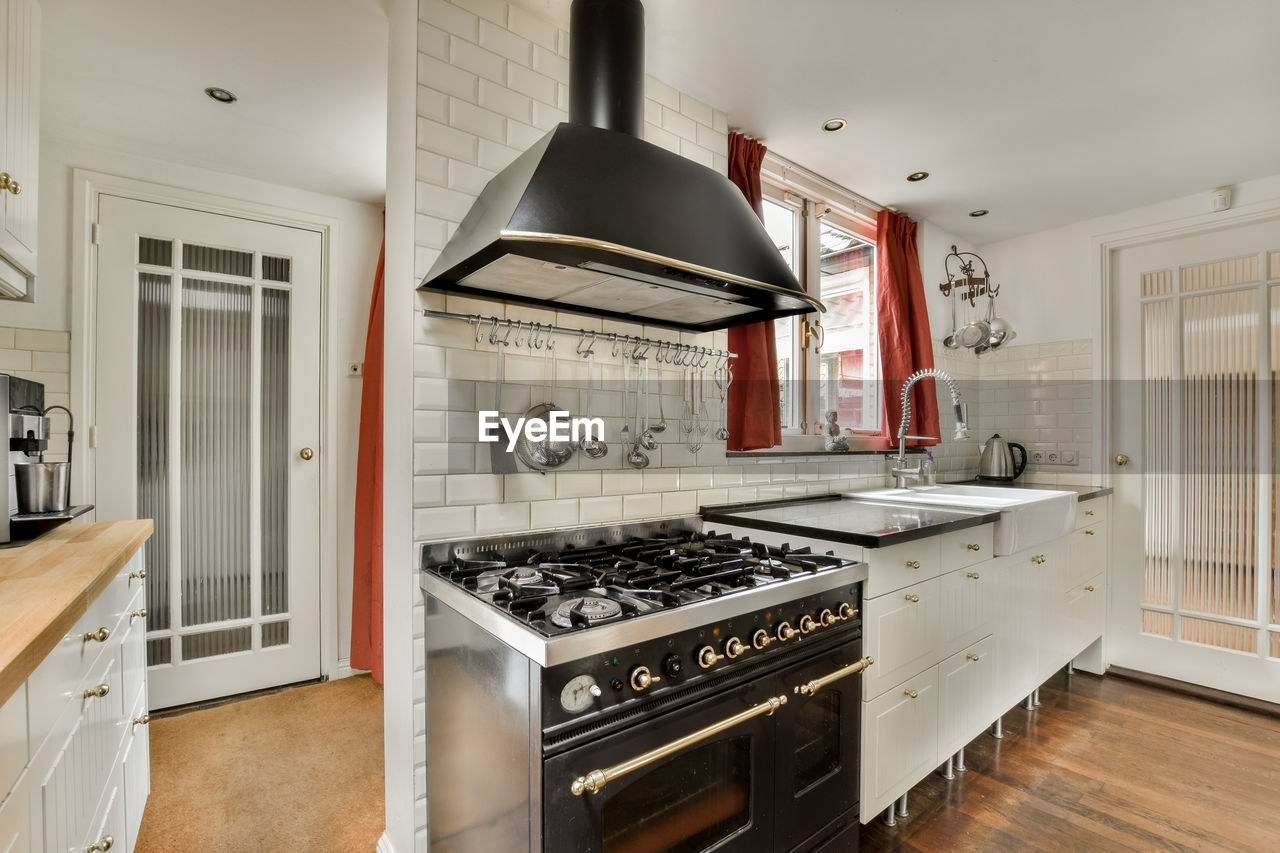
(87, 187)
(1102, 248)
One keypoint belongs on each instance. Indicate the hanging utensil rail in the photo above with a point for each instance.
(536, 335)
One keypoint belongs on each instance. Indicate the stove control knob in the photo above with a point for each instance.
(828, 618)
(733, 648)
(807, 624)
(641, 680)
(761, 639)
(785, 632)
(847, 612)
(707, 657)
(672, 666)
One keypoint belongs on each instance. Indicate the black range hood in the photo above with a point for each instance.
(594, 220)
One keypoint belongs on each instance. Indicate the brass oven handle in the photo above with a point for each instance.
(597, 779)
(812, 687)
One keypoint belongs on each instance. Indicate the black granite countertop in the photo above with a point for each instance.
(870, 524)
(1085, 492)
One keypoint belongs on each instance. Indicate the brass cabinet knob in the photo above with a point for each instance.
(708, 658)
(142, 721)
(1088, 589)
(99, 691)
(785, 632)
(8, 183)
(913, 598)
(913, 564)
(306, 453)
(761, 639)
(973, 575)
(971, 656)
(1088, 533)
(807, 624)
(99, 636)
(141, 575)
(973, 546)
(1122, 460)
(913, 694)
(1088, 512)
(138, 614)
(1038, 559)
(733, 648)
(102, 845)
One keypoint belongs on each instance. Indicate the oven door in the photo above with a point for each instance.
(707, 784)
(816, 768)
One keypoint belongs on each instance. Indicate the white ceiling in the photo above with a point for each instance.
(310, 75)
(1043, 112)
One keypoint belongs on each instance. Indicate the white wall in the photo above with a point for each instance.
(355, 255)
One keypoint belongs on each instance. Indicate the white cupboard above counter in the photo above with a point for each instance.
(959, 635)
(19, 144)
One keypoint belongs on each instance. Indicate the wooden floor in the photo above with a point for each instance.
(1102, 765)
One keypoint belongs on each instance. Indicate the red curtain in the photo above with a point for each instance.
(754, 421)
(905, 343)
(366, 592)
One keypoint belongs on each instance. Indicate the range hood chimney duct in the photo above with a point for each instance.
(606, 65)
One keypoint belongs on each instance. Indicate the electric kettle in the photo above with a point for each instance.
(997, 460)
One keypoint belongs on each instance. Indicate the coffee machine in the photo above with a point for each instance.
(28, 437)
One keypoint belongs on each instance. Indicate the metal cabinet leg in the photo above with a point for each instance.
(948, 771)
(1035, 697)
(890, 815)
(1029, 702)
(1071, 667)
(902, 807)
(960, 768)
(997, 729)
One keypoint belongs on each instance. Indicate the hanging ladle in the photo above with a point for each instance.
(594, 448)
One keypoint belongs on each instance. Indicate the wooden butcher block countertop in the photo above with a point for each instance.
(48, 584)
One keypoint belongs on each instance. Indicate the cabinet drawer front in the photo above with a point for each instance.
(137, 771)
(966, 695)
(900, 631)
(899, 740)
(967, 606)
(1087, 554)
(962, 548)
(13, 742)
(901, 565)
(133, 653)
(1086, 612)
(15, 819)
(54, 685)
(1091, 512)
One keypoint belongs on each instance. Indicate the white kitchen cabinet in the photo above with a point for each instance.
(966, 690)
(900, 632)
(900, 740)
(902, 565)
(1086, 613)
(13, 741)
(961, 548)
(15, 819)
(20, 157)
(967, 605)
(88, 776)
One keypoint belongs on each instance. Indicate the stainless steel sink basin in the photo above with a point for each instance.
(1028, 517)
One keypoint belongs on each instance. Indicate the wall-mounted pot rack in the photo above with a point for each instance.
(535, 336)
(967, 285)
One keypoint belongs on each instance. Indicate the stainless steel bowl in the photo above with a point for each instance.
(43, 486)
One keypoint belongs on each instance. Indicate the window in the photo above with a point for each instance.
(828, 241)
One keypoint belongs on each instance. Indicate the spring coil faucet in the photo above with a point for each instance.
(962, 420)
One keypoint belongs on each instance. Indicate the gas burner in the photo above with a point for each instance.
(585, 612)
(525, 575)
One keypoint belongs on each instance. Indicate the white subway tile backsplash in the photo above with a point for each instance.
(478, 121)
(661, 92)
(446, 141)
(679, 503)
(449, 17)
(433, 41)
(682, 126)
(527, 25)
(504, 42)
(445, 77)
(545, 514)
(503, 517)
(491, 10)
(473, 489)
(577, 484)
(526, 81)
(495, 156)
(446, 522)
(600, 510)
(696, 110)
(641, 506)
(478, 61)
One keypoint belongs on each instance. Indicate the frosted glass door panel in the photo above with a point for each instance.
(226, 315)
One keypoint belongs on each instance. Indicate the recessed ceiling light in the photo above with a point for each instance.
(220, 95)
(833, 125)
(982, 211)
(917, 176)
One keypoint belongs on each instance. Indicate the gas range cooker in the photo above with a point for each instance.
(579, 588)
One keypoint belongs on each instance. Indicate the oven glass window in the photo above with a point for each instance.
(685, 806)
(817, 740)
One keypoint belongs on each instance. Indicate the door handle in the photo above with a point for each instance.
(597, 779)
(1121, 460)
(306, 453)
(811, 687)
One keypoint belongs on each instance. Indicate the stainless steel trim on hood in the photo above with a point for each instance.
(640, 254)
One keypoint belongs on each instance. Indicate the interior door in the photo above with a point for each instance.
(208, 416)
(1196, 349)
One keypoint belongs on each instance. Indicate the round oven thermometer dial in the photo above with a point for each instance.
(578, 694)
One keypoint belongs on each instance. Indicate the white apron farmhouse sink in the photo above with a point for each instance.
(1028, 517)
